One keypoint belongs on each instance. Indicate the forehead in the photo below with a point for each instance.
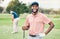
(34, 6)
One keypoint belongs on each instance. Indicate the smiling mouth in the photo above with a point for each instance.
(35, 11)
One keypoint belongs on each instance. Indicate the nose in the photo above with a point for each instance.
(34, 7)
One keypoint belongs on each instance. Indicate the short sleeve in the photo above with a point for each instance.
(46, 20)
(27, 21)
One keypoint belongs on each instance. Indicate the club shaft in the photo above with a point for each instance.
(23, 34)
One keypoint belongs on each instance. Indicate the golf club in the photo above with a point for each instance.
(23, 34)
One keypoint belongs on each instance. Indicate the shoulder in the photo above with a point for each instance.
(28, 16)
(43, 15)
(14, 12)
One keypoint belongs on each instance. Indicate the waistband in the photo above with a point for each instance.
(32, 35)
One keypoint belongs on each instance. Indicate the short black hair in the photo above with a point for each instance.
(35, 3)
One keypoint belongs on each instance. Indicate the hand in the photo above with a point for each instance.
(45, 33)
(25, 28)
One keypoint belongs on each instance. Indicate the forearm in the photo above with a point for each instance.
(50, 28)
(12, 19)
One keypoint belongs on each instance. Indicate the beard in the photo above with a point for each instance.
(35, 11)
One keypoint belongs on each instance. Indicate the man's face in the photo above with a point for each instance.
(34, 8)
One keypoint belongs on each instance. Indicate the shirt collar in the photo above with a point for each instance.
(35, 15)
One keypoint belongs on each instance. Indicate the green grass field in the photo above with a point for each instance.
(6, 28)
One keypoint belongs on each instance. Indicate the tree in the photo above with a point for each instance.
(17, 6)
(1, 9)
(58, 12)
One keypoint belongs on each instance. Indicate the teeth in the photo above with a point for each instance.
(34, 10)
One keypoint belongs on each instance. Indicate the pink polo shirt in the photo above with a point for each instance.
(36, 23)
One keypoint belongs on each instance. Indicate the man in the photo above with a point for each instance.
(35, 23)
(15, 19)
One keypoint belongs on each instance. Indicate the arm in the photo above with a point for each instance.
(50, 28)
(46, 20)
(27, 25)
(12, 18)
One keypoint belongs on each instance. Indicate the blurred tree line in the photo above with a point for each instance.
(18, 7)
(21, 8)
(1, 9)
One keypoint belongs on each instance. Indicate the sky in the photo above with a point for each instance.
(5, 3)
(55, 4)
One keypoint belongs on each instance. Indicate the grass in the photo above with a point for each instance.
(6, 28)
(5, 33)
(8, 22)
(56, 23)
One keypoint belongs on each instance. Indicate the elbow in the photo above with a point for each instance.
(52, 26)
